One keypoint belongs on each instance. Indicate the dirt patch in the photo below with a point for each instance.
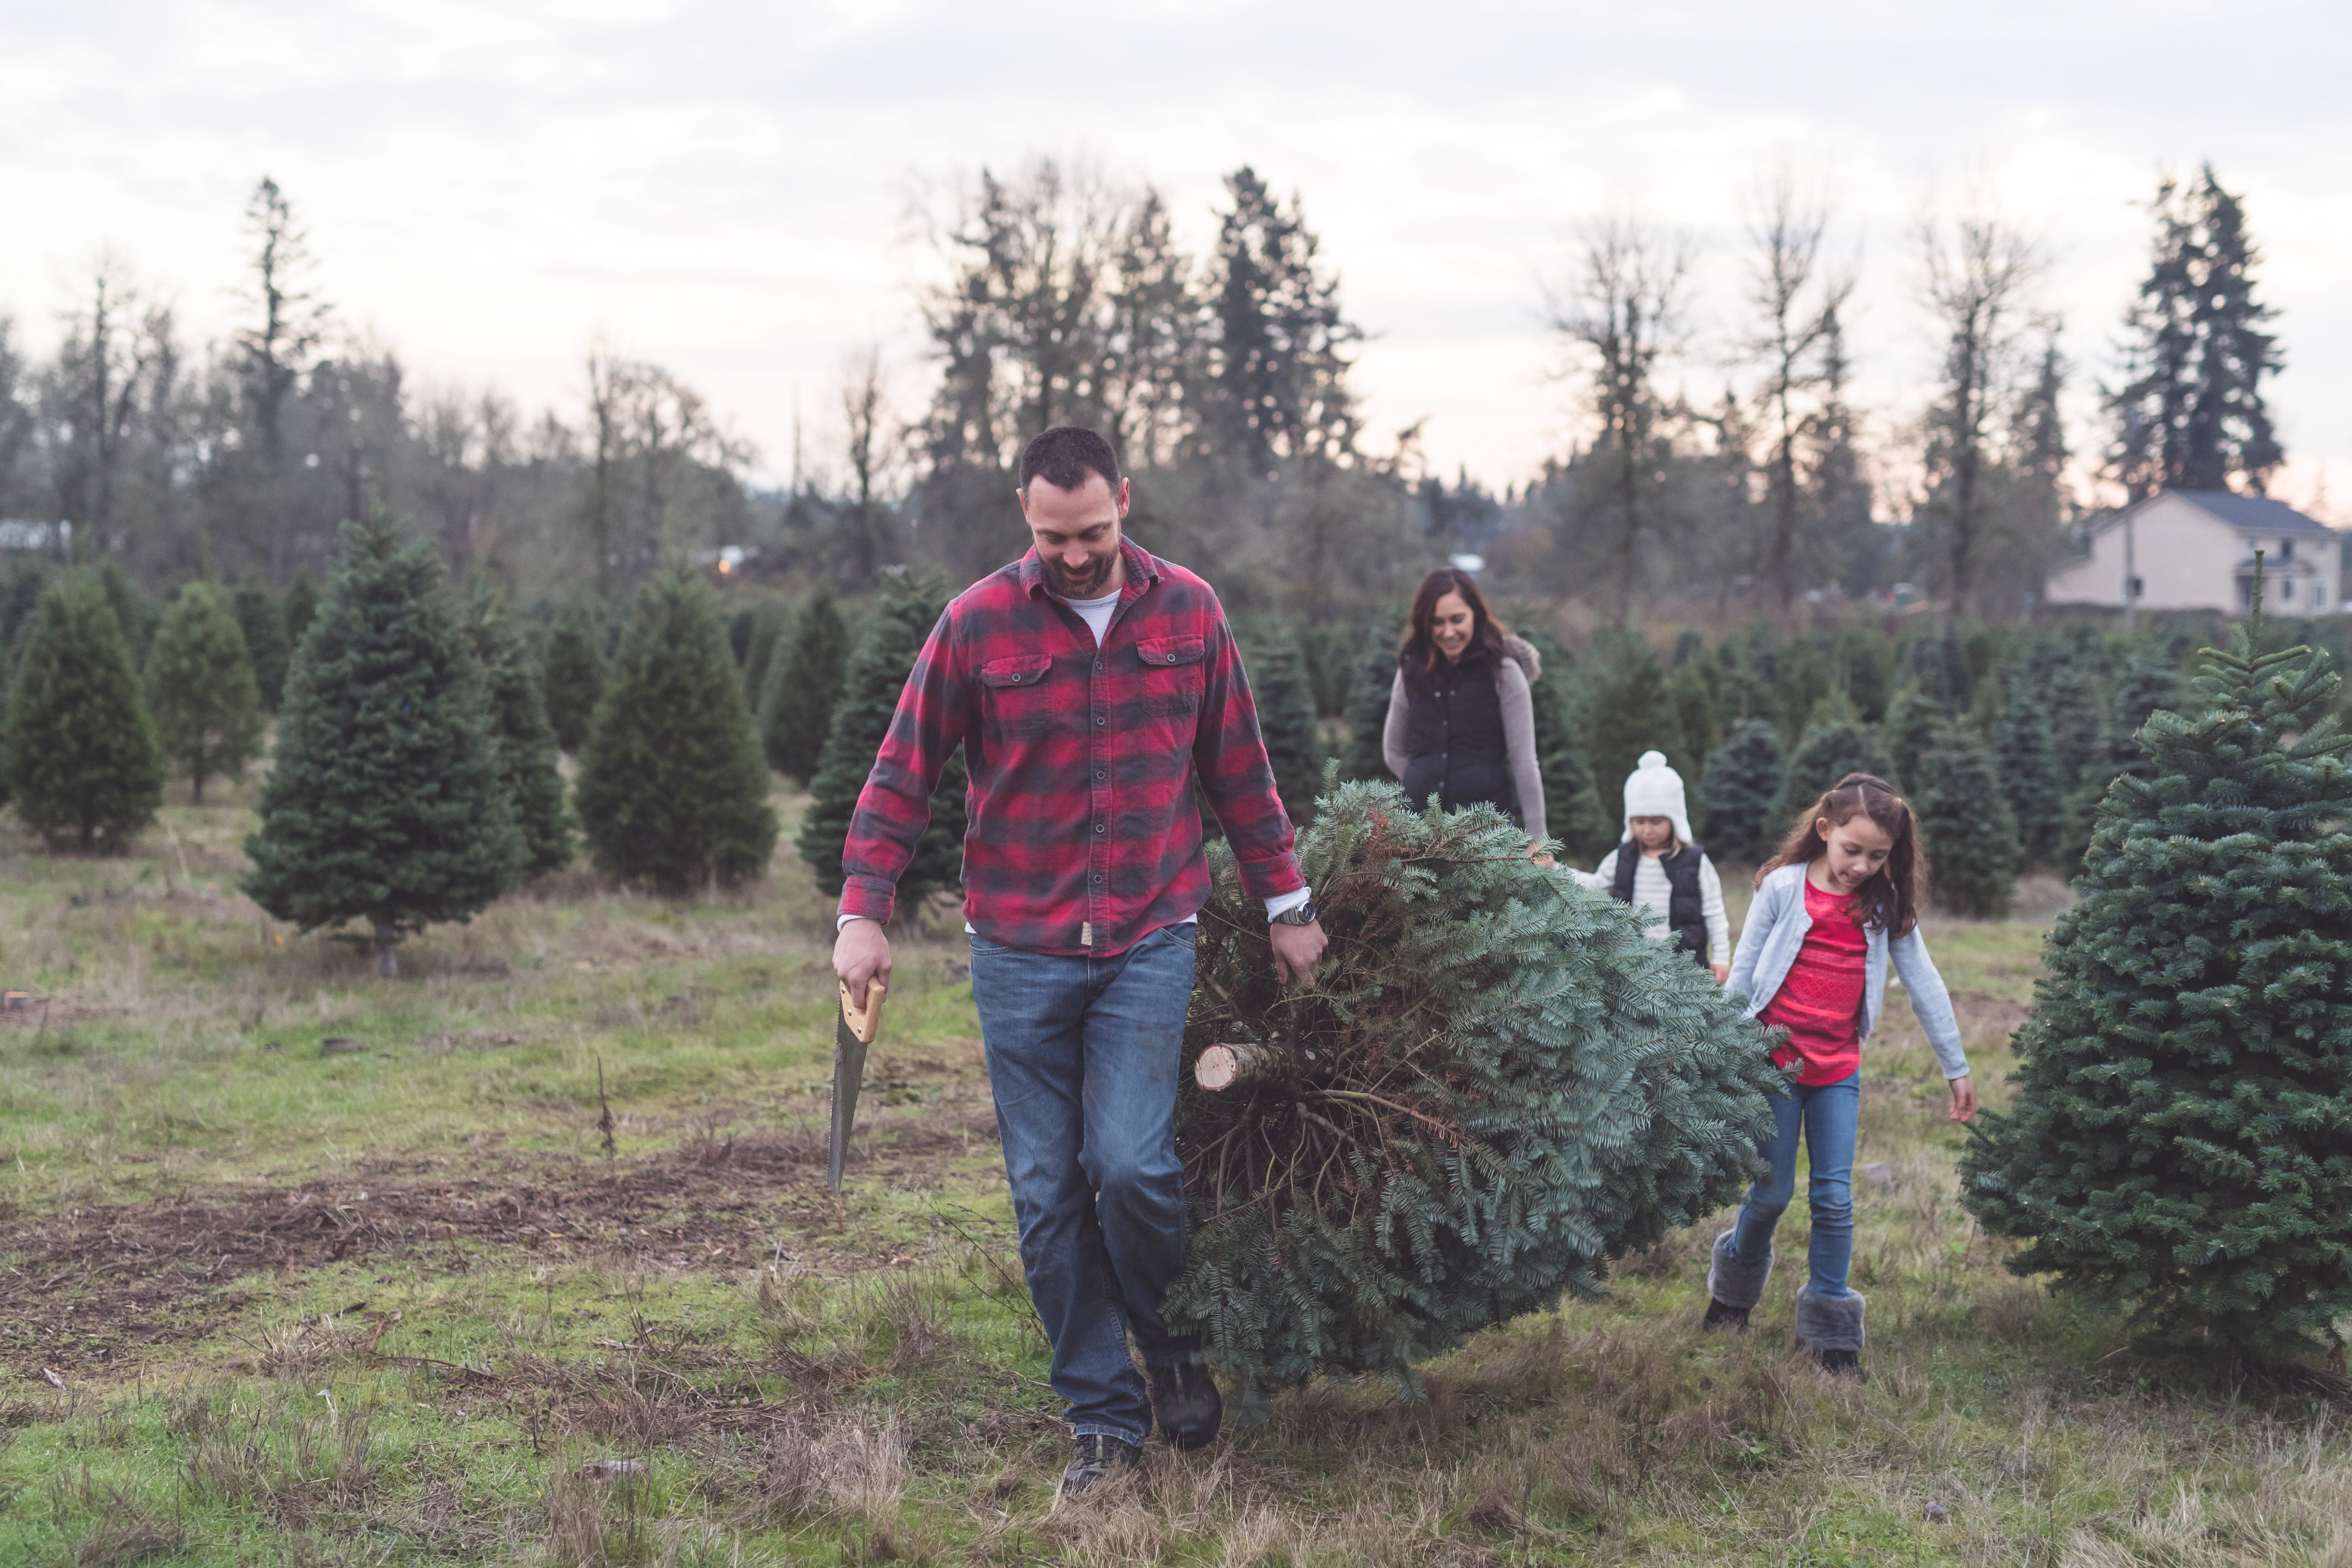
(86, 1284)
(1976, 1009)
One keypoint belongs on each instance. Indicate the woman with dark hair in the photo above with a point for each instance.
(1832, 910)
(1462, 718)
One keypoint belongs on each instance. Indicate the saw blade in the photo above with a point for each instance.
(852, 1033)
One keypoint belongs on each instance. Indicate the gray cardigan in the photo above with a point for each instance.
(1776, 928)
(1520, 665)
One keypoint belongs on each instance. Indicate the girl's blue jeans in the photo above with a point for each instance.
(1825, 1114)
(1082, 1058)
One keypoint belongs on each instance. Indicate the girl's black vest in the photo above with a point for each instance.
(1685, 911)
(1453, 737)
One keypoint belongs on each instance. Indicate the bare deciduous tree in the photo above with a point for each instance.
(1978, 272)
(1795, 303)
(1622, 314)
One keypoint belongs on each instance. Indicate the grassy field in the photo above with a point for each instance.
(526, 1258)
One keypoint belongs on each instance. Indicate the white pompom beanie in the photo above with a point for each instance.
(1653, 789)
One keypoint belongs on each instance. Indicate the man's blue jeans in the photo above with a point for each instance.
(1082, 1058)
(1826, 1115)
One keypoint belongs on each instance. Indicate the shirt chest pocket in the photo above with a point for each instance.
(1171, 674)
(1016, 693)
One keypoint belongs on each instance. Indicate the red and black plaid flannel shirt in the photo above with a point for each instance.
(1081, 836)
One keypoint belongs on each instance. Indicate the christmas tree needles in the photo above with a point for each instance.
(1495, 1085)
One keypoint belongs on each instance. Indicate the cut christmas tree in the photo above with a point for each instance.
(2181, 1143)
(1495, 1086)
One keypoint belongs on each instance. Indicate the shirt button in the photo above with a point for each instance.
(1098, 879)
(1100, 775)
(1100, 721)
(1100, 826)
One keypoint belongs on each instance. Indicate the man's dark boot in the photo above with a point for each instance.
(1841, 1363)
(1725, 1319)
(1185, 1402)
(1094, 1459)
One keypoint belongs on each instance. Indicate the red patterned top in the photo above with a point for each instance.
(1820, 1002)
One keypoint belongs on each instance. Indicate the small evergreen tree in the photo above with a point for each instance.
(83, 762)
(574, 676)
(1965, 819)
(202, 693)
(525, 741)
(263, 623)
(2146, 687)
(1866, 669)
(770, 621)
(133, 610)
(878, 667)
(1690, 694)
(1827, 753)
(383, 803)
(1369, 688)
(2029, 767)
(1741, 787)
(301, 607)
(2178, 1143)
(1277, 671)
(2078, 719)
(803, 682)
(1627, 711)
(1914, 719)
(673, 790)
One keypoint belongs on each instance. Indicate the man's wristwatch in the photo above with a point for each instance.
(1304, 915)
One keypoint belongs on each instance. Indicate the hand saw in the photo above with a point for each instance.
(853, 1031)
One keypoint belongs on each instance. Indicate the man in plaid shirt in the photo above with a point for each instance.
(1089, 684)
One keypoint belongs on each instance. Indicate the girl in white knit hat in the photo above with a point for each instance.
(1662, 873)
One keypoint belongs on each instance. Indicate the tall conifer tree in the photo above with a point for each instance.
(200, 688)
(2030, 770)
(83, 766)
(383, 803)
(2192, 417)
(673, 791)
(2177, 1147)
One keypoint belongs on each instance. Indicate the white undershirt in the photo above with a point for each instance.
(1097, 613)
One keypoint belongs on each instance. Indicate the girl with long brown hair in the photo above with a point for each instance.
(1461, 722)
(1838, 903)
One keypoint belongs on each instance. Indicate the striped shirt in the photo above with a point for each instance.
(1820, 1002)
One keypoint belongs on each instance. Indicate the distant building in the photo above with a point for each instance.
(2194, 550)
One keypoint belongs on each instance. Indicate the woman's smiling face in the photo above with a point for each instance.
(1450, 625)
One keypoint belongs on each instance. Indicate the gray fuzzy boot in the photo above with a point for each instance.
(1831, 1327)
(1734, 1287)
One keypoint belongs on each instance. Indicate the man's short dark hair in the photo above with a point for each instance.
(1065, 455)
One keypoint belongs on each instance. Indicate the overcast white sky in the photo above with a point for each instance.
(722, 187)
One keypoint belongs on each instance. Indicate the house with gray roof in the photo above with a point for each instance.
(2194, 550)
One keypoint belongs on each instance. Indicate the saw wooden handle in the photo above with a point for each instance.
(865, 1021)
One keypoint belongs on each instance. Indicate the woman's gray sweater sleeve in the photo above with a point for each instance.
(1520, 744)
(1392, 734)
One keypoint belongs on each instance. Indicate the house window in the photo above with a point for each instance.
(2137, 587)
(2287, 590)
(2286, 550)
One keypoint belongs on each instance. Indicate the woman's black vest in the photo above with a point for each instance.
(1685, 910)
(1453, 737)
